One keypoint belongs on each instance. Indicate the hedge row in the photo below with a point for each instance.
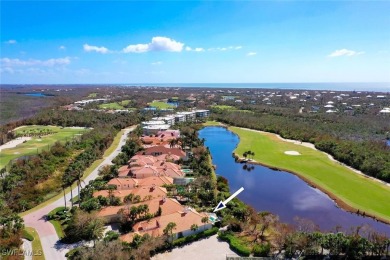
(185, 240)
(235, 244)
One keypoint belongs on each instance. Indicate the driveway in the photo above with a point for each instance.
(209, 248)
(51, 246)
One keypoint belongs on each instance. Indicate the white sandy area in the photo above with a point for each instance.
(209, 248)
(39, 140)
(292, 153)
(14, 143)
(311, 146)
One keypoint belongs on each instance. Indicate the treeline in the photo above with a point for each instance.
(26, 183)
(370, 156)
(67, 118)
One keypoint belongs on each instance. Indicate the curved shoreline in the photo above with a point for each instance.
(339, 201)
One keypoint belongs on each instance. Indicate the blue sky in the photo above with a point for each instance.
(194, 42)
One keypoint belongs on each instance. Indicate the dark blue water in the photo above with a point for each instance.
(36, 94)
(279, 192)
(175, 104)
(388, 142)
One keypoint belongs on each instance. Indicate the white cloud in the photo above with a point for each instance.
(7, 70)
(157, 44)
(90, 48)
(7, 62)
(62, 47)
(194, 49)
(345, 52)
(11, 41)
(251, 54)
(157, 63)
(225, 48)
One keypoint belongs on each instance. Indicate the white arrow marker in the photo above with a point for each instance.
(222, 204)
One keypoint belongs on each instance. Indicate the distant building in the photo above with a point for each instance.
(179, 118)
(154, 129)
(202, 113)
(189, 116)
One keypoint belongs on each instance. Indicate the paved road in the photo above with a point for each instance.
(51, 246)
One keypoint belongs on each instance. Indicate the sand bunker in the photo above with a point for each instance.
(292, 153)
(39, 140)
(16, 153)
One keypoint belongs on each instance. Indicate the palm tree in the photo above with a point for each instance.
(63, 189)
(194, 227)
(204, 221)
(172, 143)
(96, 230)
(168, 230)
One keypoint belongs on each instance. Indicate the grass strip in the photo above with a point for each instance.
(38, 253)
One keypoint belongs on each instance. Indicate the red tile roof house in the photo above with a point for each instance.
(167, 205)
(123, 171)
(159, 150)
(183, 219)
(159, 169)
(131, 183)
(161, 138)
(142, 160)
(143, 192)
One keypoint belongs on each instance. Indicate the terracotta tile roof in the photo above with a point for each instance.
(155, 192)
(168, 157)
(124, 183)
(158, 181)
(183, 219)
(142, 160)
(166, 165)
(168, 206)
(123, 171)
(163, 150)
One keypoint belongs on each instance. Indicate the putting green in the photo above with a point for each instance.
(38, 143)
(350, 188)
(160, 105)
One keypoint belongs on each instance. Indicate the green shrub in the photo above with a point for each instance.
(27, 235)
(57, 213)
(186, 240)
(262, 249)
(235, 244)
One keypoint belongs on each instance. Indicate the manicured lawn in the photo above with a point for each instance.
(115, 105)
(223, 107)
(160, 105)
(38, 143)
(231, 108)
(36, 244)
(92, 95)
(57, 227)
(211, 123)
(355, 190)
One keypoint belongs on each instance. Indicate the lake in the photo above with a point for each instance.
(36, 94)
(278, 192)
